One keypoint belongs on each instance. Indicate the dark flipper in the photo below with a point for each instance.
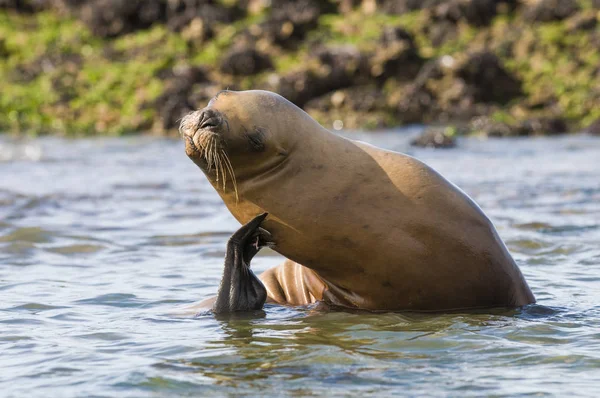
(240, 289)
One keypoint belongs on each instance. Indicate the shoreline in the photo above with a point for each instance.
(514, 69)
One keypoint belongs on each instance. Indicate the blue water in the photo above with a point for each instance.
(103, 243)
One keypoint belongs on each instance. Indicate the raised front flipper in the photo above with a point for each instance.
(240, 289)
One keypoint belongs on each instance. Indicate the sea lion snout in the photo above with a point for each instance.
(209, 119)
(204, 119)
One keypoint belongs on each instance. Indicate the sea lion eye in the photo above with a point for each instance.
(256, 139)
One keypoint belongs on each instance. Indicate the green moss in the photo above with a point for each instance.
(561, 66)
(211, 51)
(27, 38)
(585, 4)
(57, 77)
(357, 29)
(503, 117)
(287, 62)
(87, 93)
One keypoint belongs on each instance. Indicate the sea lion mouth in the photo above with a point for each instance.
(199, 129)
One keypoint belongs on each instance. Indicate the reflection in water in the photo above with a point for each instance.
(102, 240)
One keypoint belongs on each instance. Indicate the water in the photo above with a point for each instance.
(102, 240)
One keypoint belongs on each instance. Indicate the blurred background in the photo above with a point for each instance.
(112, 67)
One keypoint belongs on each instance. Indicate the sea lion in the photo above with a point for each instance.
(361, 227)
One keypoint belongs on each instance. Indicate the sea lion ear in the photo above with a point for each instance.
(256, 138)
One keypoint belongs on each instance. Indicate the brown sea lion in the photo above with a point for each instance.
(361, 227)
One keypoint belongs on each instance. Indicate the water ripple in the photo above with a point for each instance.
(117, 235)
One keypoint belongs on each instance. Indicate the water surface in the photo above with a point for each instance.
(101, 240)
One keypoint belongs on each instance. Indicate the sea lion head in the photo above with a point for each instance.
(240, 134)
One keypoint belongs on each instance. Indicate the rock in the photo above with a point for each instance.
(442, 19)
(47, 63)
(404, 6)
(487, 79)
(352, 108)
(182, 13)
(542, 126)
(419, 103)
(361, 99)
(245, 61)
(328, 69)
(111, 18)
(529, 127)
(487, 127)
(397, 56)
(582, 21)
(24, 6)
(550, 10)
(289, 21)
(446, 89)
(436, 137)
(474, 12)
(594, 128)
(174, 102)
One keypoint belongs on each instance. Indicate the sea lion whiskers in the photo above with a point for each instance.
(211, 152)
(223, 170)
(229, 166)
(205, 144)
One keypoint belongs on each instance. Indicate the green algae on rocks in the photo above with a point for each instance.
(502, 67)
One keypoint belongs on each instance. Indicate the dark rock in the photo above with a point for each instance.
(436, 137)
(289, 21)
(419, 103)
(342, 60)
(110, 18)
(442, 19)
(352, 108)
(440, 31)
(594, 128)
(24, 6)
(397, 56)
(404, 6)
(245, 61)
(337, 68)
(542, 126)
(354, 99)
(487, 79)
(533, 126)
(176, 100)
(550, 10)
(446, 90)
(582, 21)
(474, 12)
(181, 13)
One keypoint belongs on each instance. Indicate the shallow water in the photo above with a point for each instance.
(101, 240)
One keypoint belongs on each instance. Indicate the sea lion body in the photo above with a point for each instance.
(371, 228)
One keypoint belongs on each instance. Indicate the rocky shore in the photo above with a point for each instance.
(490, 67)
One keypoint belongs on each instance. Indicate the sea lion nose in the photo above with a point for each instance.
(209, 118)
